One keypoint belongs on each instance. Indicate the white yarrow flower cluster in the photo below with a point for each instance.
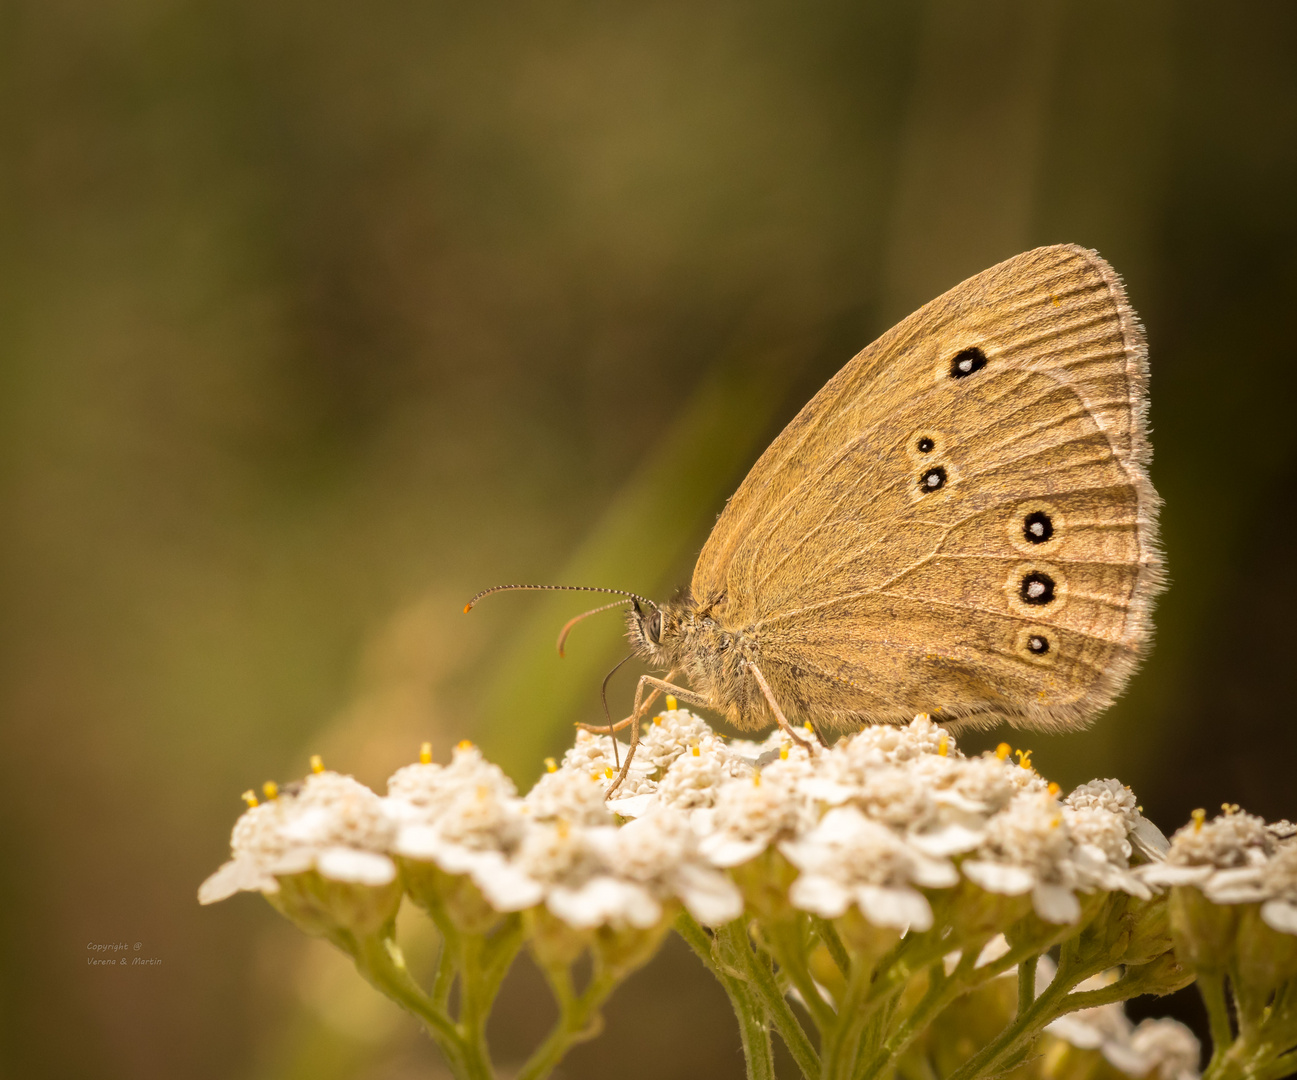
(1236, 858)
(850, 859)
(331, 824)
(871, 822)
(466, 818)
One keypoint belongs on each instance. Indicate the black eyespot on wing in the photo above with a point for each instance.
(925, 445)
(1037, 589)
(1037, 527)
(1038, 644)
(933, 480)
(966, 362)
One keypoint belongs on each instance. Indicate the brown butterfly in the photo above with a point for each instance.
(960, 522)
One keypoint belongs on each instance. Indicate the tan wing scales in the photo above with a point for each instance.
(880, 550)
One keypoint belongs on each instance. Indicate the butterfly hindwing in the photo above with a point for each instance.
(961, 519)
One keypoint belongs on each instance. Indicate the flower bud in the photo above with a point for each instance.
(1163, 975)
(322, 907)
(622, 950)
(975, 912)
(1149, 925)
(1203, 932)
(554, 943)
(764, 882)
(1035, 934)
(1105, 936)
(865, 942)
(436, 892)
(1266, 958)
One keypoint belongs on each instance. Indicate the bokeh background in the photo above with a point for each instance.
(317, 317)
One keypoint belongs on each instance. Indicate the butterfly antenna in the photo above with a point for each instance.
(567, 627)
(567, 588)
(603, 693)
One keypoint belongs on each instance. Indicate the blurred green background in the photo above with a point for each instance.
(318, 317)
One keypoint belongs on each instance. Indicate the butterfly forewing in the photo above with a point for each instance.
(961, 519)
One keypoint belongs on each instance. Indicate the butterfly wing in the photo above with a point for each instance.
(961, 519)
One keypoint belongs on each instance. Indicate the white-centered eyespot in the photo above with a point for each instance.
(1036, 589)
(1037, 644)
(1035, 527)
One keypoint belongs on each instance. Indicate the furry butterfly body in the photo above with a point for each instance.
(960, 522)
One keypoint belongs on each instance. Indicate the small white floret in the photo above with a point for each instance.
(357, 867)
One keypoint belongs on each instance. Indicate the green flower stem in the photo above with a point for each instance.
(942, 991)
(449, 956)
(446, 971)
(475, 998)
(1051, 1004)
(788, 944)
(841, 1041)
(753, 1029)
(1264, 1049)
(1280, 1067)
(379, 960)
(1026, 983)
(910, 956)
(497, 956)
(736, 946)
(873, 1033)
(1283, 1009)
(1251, 1003)
(1212, 988)
(698, 940)
(1122, 990)
(829, 935)
(578, 1018)
(868, 993)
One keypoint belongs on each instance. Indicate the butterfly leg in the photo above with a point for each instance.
(612, 728)
(780, 718)
(639, 709)
(641, 706)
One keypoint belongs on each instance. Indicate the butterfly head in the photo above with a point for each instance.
(654, 632)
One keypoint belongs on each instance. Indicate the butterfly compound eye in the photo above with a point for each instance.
(967, 361)
(654, 628)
